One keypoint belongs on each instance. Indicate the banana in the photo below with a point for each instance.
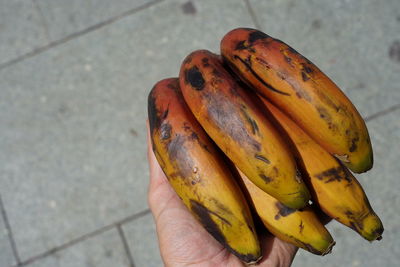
(240, 129)
(303, 92)
(336, 191)
(300, 227)
(197, 172)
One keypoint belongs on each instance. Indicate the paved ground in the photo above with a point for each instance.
(74, 78)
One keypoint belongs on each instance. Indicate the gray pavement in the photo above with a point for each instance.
(74, 79)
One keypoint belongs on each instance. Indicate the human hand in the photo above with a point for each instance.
(184, 242)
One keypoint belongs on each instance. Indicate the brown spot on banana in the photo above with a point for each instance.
(301, 227)
(334, 174)
(241, 45)
(165, 131)
(300, 93)
(283, 211)
(353, 146)
(264, 63)
(178, 153)
(248, 66)
(154, 119)
(222, 111)
(304, 76)
(288, 59)
(203, 214)
(262, 158)
(217, 75)
(266, 179)
(195, 78)
(307, 69)
(205, 62)
(324, 114)
(356, 219)
(175, 147)
(257, 35)
(252, 122)
(298, 176)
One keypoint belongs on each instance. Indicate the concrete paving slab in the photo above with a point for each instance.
(382, 188)
(21, 29)
(73, 119)
(142, 239)
(357, 43)
(64, 18)
(104, 250)
(6, 254)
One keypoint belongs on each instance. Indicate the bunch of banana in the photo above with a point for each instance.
(271, 144)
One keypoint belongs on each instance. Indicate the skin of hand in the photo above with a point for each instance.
(184, 242)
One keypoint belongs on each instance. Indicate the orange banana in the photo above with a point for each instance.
(239, 128)
(334, 188)
(301, 227)
(295, 85)
(197, 172)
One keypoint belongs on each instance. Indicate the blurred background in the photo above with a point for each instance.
(74, 79)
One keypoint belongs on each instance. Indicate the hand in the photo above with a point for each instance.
(184, 242)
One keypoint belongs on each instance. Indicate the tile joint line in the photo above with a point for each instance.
(74, 35)
(126, 245)
(9, 231)
(84, 237)
(382, 112)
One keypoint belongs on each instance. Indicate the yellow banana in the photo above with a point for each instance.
(196, 171)
(301, 90)
(334, 188)
(239, 128)
(301, 227)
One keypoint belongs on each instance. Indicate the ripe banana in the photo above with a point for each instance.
(240, 129)
(197, 172)
(333, 187)
(302, 91)
(301, 227)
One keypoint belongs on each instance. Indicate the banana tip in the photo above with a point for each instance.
(377, 234)
(329, 249)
